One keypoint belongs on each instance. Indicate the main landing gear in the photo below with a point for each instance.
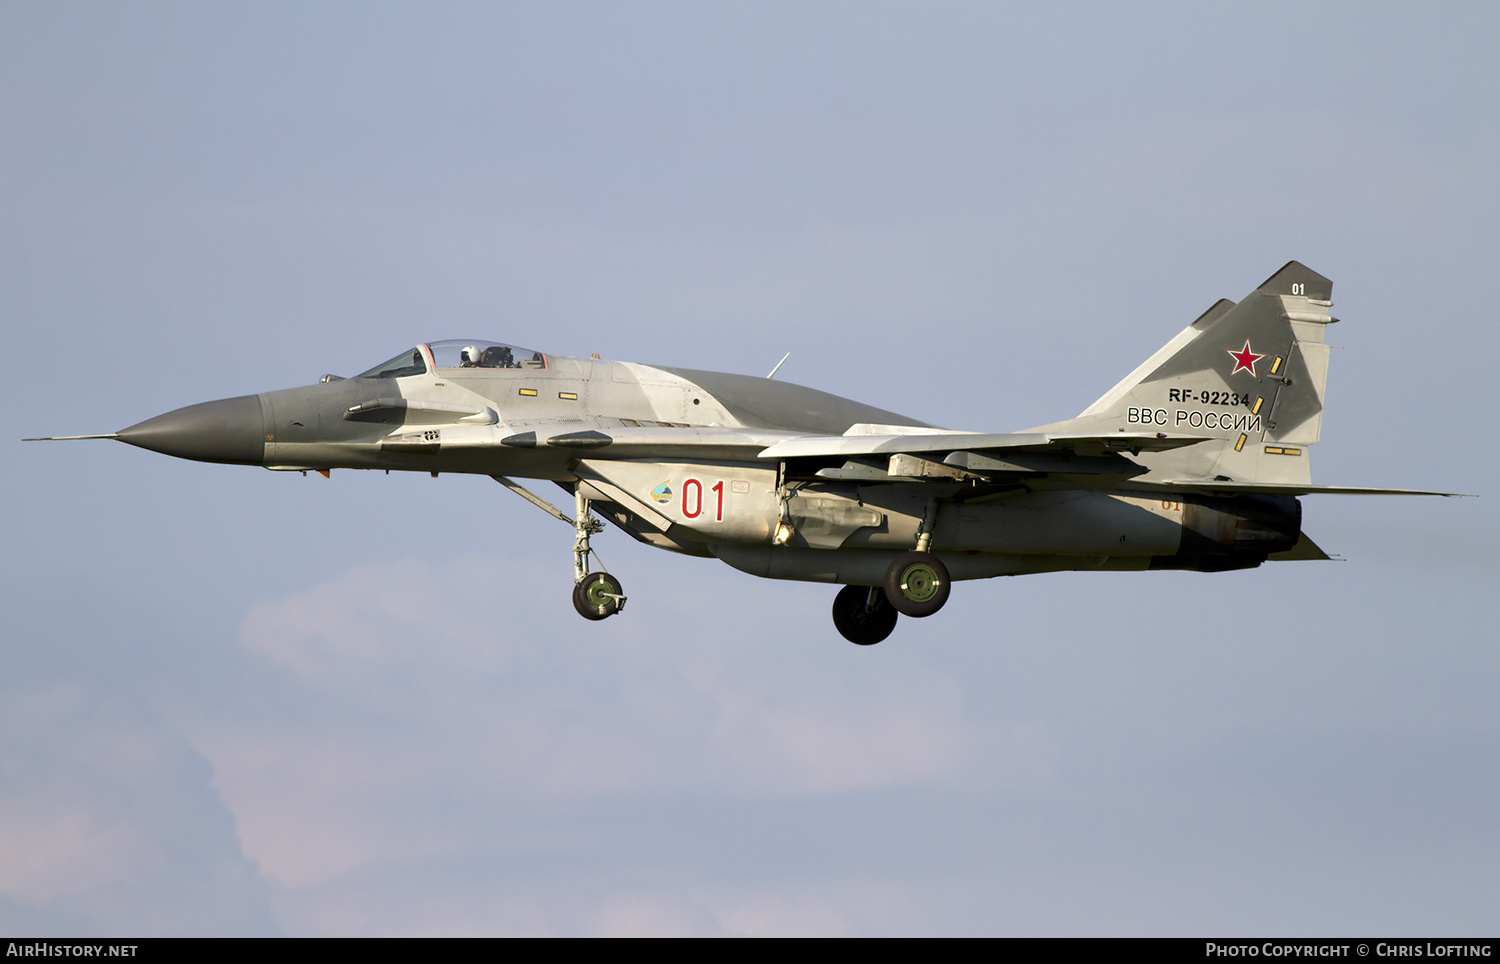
(916, 584)
(863, 615)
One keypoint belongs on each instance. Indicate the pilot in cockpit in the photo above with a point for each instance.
(469, 357)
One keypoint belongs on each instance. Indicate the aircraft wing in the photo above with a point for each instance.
(928, 454)
(909, 453)
(927, 444)
(1036, 452)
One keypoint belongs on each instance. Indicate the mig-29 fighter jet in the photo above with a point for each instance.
(1195, 460)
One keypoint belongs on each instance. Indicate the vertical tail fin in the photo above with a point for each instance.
(1249, 375)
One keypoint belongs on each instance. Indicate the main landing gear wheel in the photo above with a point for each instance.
(917, 584)
(863, 615)
(598, 596)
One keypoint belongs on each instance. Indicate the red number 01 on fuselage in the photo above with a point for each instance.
(692, 499)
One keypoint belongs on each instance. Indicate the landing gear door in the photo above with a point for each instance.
(716, 501)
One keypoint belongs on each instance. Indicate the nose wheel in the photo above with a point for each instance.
(598, 596)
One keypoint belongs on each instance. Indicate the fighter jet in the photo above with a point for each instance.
(1195, 460)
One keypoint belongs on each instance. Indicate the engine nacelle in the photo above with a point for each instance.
(1238, 533)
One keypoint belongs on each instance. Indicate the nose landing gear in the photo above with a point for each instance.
(596, 595)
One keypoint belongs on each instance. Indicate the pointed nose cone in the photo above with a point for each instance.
(228, 430)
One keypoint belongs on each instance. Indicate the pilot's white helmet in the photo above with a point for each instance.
(471, 354)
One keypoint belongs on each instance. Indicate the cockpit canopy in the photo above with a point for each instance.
(457, 353)
(408, 362)
(461, 353)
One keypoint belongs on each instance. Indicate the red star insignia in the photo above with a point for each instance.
(1244, 359)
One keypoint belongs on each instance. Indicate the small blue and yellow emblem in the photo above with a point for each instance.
(663, 493)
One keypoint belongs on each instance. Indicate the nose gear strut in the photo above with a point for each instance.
(596, 595)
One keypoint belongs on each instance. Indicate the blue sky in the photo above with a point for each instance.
(238, 702)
